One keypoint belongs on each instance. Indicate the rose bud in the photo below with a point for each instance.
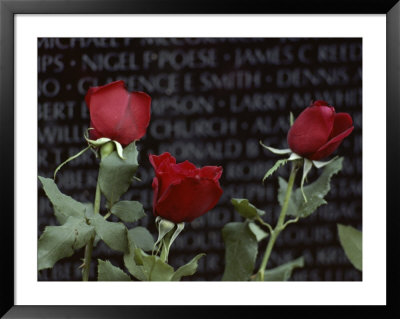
(118, 114)
(183, 192)
(318, 131)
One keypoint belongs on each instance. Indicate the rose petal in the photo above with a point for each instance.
(186, 167)
(184, 191)
(93, 134)
(211, 172)
(107, 108)
(328, 148)
(118, 114)
(175, 173)
(311, 129)
(188, 200)
(136, 118)
(343, 121)
(166, 179)
(95, 89)
(320, 103)
(164, 166)
(156, 160)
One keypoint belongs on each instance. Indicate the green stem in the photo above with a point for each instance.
(87, 260)
(97, 199)
(105, 150)
(259, 219)
(107, 215)
(279, 226)
(89, 246)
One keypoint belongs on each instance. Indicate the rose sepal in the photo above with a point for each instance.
(276, 151)
(68, 160)
(164, 227)
(321, 164)
(104, 140)
(293, 157)
(167, 233)
(307, 164)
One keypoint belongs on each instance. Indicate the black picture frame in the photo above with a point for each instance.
(8, 10)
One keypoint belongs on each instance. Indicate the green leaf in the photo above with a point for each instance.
(283, 272)
(89, 212)
(128, 211)
(240, 251)
(109, 272)
(113, 234)
(257, 231)
(135, 270)
(315, 192)
(153, 267)
(187, 270)
(351, 241)
(64, 206)
(116, 174)
(245, 209)
(140, 237)
(58, 242)
(275, 150)
(278, 164)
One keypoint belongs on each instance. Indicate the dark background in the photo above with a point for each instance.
(213, 99)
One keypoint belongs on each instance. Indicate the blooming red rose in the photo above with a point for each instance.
(318, 131)
(183, 192)
(118, 114)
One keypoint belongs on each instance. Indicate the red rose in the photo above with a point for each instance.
(116, 113)
(318, 131)
(183, 192)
